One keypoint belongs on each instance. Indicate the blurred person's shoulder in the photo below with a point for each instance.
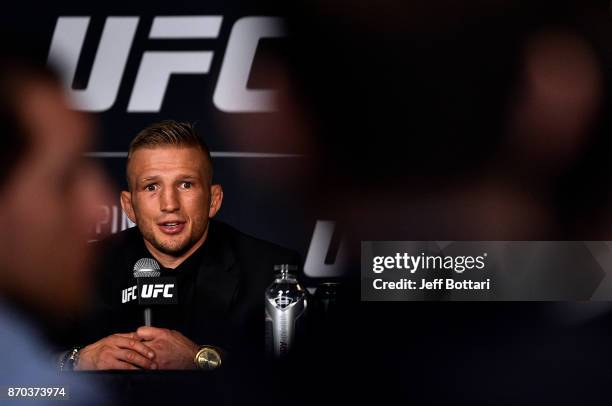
(27, 361)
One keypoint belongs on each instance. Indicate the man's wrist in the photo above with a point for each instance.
(69, 359)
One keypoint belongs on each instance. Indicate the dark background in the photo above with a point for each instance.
(408, 133)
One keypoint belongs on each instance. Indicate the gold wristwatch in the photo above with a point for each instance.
(207, 358)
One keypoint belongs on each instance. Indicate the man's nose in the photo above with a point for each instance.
(169, 200)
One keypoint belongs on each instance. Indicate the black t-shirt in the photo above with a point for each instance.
(182, 315)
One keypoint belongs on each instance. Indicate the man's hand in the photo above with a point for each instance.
(172, 349)
(118, 351)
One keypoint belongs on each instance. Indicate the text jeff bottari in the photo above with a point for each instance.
(435, 284)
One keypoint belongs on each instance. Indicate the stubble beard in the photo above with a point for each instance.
(172, 247)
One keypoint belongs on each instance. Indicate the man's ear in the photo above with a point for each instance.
(126, 205)
(216, 198)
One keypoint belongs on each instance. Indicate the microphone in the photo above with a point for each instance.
(151, 288)
(146, 268)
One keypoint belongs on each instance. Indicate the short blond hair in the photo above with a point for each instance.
(170, 133)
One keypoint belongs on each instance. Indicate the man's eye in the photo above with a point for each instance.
(186, 185)
(151, 187)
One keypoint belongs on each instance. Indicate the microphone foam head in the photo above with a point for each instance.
(146, 268)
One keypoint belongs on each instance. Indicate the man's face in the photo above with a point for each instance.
(49, 203)
(171, 199)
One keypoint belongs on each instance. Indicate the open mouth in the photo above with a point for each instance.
(171, 227)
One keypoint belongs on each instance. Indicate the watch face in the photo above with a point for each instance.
(209, 358)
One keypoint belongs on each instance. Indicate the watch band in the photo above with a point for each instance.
(70, 359)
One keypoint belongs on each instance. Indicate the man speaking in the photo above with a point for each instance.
(211, 278)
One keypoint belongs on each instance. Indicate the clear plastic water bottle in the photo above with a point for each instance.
(285, 303)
